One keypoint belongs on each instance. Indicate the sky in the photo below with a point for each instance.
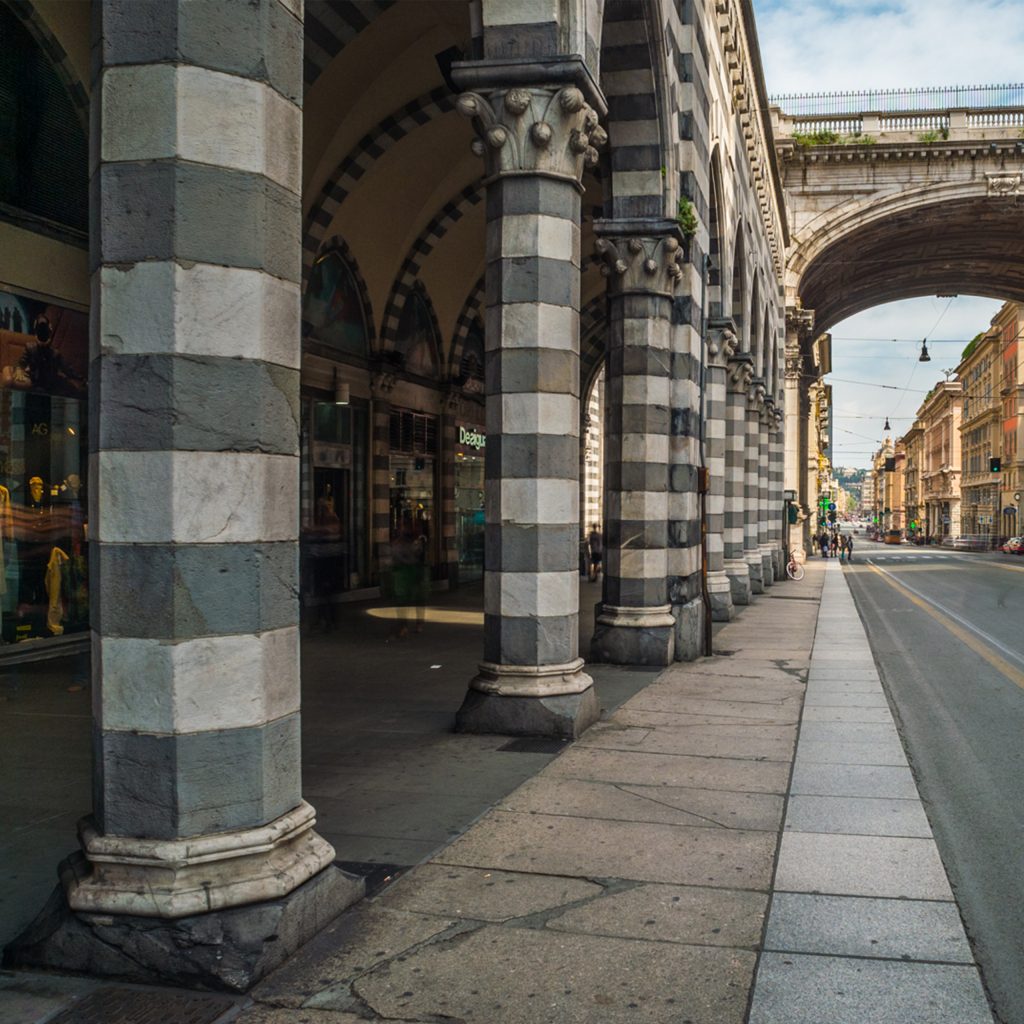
(836, 45)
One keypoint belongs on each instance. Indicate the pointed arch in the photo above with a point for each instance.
(335, 301)
(716, 250)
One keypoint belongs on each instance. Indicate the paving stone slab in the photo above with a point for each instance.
(815, 684)
(589, 848)
(670, 805)
(818, 672)
(845, 699)
(753, 741)
(296, 1015)
(817, 713)
(347, 948)
(895, 782)
(861, 866)
(698, 712)
(734, 689)
(672, 913)
(828, 752)
(869, 816)
(856, 926)
(523, 976)
(795, 988)
(671, 770)
(849, 732)
(457, 892)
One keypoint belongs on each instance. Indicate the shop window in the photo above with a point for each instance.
(333, 311)
(471, 366)
(43, 459)
(417, 335)
(44, 156)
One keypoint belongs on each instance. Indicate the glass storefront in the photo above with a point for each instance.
(469, 502)
(333, 548)
(412, 479)
(44, 533)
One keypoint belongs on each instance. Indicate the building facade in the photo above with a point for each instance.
(1009, 323)
(940, 415)
(981, 436)
(912, 444)
(327, 295)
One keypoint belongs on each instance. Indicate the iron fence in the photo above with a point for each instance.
(882, 101)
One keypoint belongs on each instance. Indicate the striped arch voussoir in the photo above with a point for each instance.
(452, 212)
(329, 27)
(361, 158)
(471, 311)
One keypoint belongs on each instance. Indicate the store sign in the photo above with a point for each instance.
(472, 438)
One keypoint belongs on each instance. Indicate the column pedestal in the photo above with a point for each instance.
(689, 630)
(720, 596)
(530, 700)
(634, 636)
(738, 572)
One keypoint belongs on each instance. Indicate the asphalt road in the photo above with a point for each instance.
(947, 629)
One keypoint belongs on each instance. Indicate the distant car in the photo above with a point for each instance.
(971, 542)
(893, 537)
(1014, 546)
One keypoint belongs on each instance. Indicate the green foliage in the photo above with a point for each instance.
(822, 138)
(935, 135)
(686, 217)
(972, 345)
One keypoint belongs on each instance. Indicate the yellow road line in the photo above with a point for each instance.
(981, 643)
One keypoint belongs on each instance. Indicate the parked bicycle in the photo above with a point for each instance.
(794, 570)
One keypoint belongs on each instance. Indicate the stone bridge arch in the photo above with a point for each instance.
(875, 224)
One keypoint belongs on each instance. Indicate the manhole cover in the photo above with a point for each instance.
(131, 1006)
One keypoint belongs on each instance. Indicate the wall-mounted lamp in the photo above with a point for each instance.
(341, 393)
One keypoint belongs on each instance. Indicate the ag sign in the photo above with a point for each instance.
(472, 438)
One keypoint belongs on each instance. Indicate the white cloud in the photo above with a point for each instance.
(823, 47)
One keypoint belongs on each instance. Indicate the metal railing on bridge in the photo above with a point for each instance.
(900, 115)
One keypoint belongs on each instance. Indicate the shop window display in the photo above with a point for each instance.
(43, 518)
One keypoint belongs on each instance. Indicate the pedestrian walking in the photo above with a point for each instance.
(823, 542)
(834, 544)
(849, 549)
(595, 543)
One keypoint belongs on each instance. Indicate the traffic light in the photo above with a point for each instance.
(995, 465)
(831, 515)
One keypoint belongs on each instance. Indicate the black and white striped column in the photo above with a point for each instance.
(776, 503)
(721, 346)
(766, 417)
(535, 140)
(194, 501)
(641, 260)
(751, 477)
(740, 371)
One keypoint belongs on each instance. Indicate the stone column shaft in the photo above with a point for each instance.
(776, 502)
(736, 567)
(198, 809)
(721, 345)
(752, 458)
(635, 624)
(763, 471)
(532, 680)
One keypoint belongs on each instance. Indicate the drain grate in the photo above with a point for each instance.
(534, 745)
(134, 1006)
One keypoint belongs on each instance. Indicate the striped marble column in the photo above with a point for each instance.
(721, 346)
(641, 260)
(776, 504)
(752, 455)
(535, 140)
(767, 415)
(740, 371)
(195, 356)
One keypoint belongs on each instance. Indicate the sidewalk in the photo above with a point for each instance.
(639, 875)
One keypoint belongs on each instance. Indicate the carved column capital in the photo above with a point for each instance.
(548, 130)
(741, 372)
(756, 394)
(800, 321)
(722, 340)
(1003, 183)
(645, 264)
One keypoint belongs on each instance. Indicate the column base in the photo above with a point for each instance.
(767, 565)
(779, 562)
(228, 949)
(530, 700)
(720, 596)
(689, 630)
(634, 636)
(739, 580)
(753, 559)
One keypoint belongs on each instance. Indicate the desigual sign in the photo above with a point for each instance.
(472, 438)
